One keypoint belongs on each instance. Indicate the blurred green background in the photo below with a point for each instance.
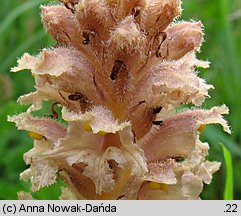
(21, 31)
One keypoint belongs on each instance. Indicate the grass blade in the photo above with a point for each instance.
(17, 12)
(215, 135)
(22, 48)
(228, 190)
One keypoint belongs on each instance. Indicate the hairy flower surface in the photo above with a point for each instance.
(119, 73)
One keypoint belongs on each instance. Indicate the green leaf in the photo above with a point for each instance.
(228, 190)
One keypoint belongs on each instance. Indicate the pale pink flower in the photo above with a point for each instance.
(120, 71)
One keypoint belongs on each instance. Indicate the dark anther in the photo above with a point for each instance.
(77, 97)
(118, 65)
(69, 4)
(86, 35)
(179, 159)
(54, 112)
(141, 102)
(135, 11)
(160, 123)
(158, 18)
(110, 166)
(86, 42)
(67, 35)
(121, 196)
(156, 110)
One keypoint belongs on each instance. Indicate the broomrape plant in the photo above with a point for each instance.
(119, 72)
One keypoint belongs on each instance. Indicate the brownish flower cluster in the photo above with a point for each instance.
(120, 72)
